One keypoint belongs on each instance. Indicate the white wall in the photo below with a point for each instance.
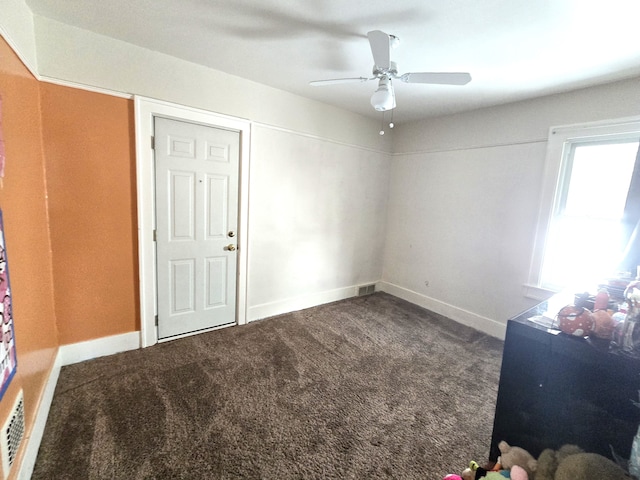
(17, 28)
(464, 197)
(318, 211)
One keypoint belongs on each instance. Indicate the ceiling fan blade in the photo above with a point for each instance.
(336, 81)
(380, 48)
(441, 78)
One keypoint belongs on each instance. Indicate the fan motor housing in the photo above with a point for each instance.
(392, 71)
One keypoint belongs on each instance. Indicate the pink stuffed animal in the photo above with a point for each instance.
(519, 473)
(516, 473)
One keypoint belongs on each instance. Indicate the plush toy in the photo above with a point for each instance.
(475, 472)
(603, 324)
(519, 473)
(481, 473)
(572, 463)
(511, 456)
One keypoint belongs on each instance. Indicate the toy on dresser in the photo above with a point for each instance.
(587, 317)
(514, 463)
(570, 462)
(475, 472)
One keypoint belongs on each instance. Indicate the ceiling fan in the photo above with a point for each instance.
(385, 71)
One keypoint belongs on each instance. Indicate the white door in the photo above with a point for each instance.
(197, 170)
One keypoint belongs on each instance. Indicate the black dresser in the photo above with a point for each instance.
(557, 389)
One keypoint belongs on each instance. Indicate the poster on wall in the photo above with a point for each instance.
(8, 359)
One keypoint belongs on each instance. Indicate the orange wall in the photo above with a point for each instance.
(89, 145)
(69, 208)
(23, 202)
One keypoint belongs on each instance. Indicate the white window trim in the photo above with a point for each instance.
(558, 136)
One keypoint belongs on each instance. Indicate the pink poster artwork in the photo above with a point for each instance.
(8, 359)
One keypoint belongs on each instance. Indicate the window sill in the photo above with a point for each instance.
(538, 293)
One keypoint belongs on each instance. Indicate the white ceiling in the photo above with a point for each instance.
(514, 49)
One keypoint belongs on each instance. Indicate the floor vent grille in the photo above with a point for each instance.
(366, 289)
(12, 434)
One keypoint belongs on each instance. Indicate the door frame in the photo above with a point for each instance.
(146, 109)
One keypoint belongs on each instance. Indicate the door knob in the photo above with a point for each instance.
(230, 247)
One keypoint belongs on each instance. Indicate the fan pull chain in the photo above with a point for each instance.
(391, 124)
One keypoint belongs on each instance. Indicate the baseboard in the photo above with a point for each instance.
(42, 413)
(265, 310)
(465, 317)
(100, 347)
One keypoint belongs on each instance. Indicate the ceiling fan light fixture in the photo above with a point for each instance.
(384, 70)
(383, 98)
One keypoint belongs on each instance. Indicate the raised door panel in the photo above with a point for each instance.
(217, 198)
(182, 286)
(216, 285)
(182, 205)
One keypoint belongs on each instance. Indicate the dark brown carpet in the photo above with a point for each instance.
(370, 387)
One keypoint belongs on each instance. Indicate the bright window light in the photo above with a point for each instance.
(584, 241)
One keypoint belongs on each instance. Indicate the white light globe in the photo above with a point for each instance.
(382, 99)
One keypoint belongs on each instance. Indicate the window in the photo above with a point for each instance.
(582, 233)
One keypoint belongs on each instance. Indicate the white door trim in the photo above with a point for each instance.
(145, 111)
